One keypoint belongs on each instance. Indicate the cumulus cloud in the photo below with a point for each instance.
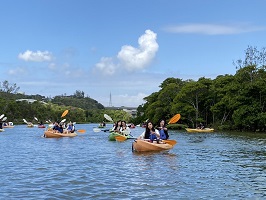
(129, 100)
(137, 58)
(213, 29)
(107, 65)
(37, 56)
(131, 58)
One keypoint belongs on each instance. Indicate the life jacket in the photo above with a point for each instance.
(70, 128)
(162, 134)
(152, 137)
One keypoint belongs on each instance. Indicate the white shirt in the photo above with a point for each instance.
(143, 134)
(125, 132)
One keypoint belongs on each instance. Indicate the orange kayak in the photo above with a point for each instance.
(51, 134)
(196, 130)
(144, 145)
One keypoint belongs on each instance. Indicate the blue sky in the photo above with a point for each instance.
(126, 48)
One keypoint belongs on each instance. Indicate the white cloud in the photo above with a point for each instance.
(213, 29)
(107, 66)
(137, 58)
(127, 100)
(38, 56)
(131, 58)
(17, 71)
(52, 66)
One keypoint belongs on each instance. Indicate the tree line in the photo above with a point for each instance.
(228, 102)
(82, 109)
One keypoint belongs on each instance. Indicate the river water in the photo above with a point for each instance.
(201, 166)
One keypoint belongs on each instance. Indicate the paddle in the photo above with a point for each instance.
(36, 119)
(174, 119)
(171, 142)
(120, 138)
(64, 113)
(4, 119)
(96, 130)
(81, 131)
(25, 121)
(108, 118)
(63, 120)
(1, 116)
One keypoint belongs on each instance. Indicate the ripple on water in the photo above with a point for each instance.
(200, 166)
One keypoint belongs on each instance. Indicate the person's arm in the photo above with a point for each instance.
(157, 133)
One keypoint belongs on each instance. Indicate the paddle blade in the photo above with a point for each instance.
(120, 138)
(25, 121)
(64, 113)
(63, 120)
(108, 117)
(1, 116)
(81, 131)
(36, 118)
(174, 119)
(96, 130)
(171, 142)
(4, 119)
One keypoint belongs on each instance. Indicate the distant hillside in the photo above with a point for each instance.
(80, 102)
(11, 96)
(73, 100)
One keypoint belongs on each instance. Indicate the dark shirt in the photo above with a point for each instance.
(58, 128)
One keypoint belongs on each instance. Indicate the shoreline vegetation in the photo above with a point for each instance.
(228, 102)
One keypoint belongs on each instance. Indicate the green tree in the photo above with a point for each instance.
(8, 87)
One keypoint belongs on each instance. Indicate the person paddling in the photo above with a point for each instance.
(70, 128)
(58, 127)
(163, 130)
(150, 133)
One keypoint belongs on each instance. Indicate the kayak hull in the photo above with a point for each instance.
(144, 146)
(8, 126)
(51, 134)
(112, 136)
(195, 130)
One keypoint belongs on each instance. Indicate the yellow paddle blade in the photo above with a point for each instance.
(81, 131)
(120, 138)
(174, 119)
(64, 113)
(171, 142)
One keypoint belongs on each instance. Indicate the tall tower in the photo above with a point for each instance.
(110, 100)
